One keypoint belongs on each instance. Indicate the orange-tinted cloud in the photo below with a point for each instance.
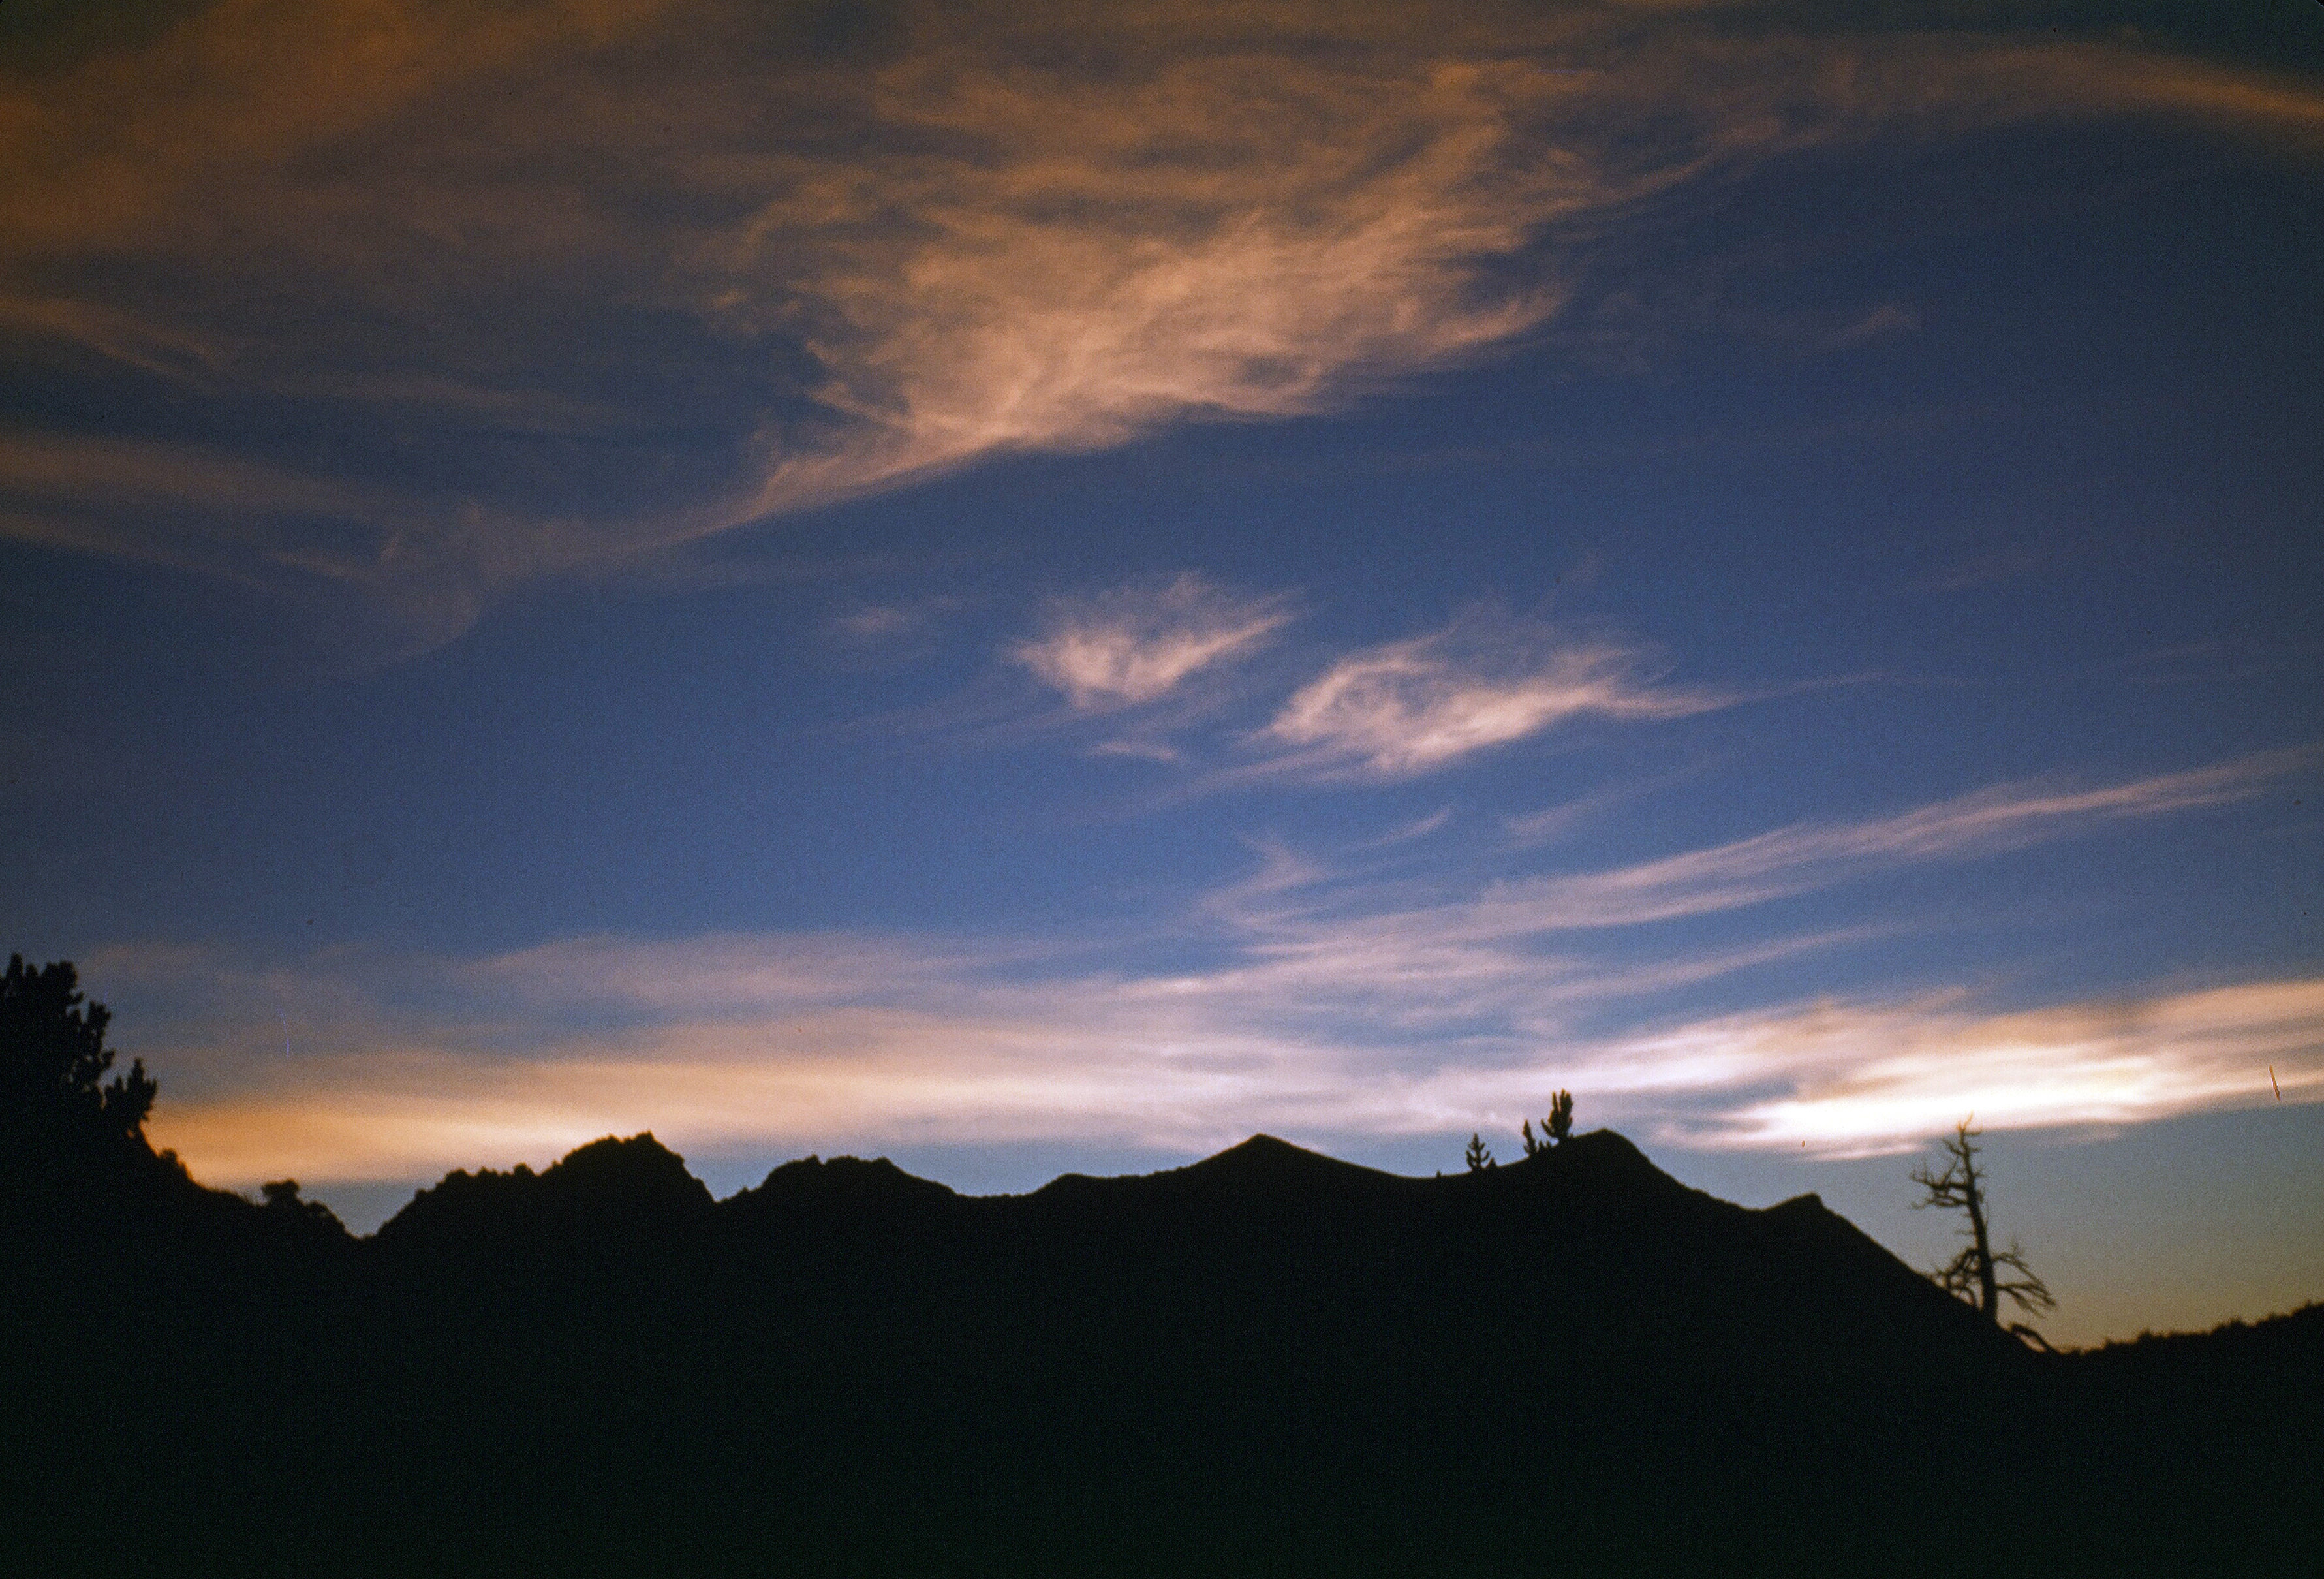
(1312, 1001)
(962, 231)
(1060, 1062)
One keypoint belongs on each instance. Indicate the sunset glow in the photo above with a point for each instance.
(1007, 586)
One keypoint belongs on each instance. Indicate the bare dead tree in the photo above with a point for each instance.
(1979, 1274)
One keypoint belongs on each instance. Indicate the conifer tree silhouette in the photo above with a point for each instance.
(53, 1061)
(1554, 1129)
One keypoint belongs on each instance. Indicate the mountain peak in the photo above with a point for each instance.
(1265, 1163)
(639, 1172)
(853, 1180)
(630, 1185)
(614, 1160)
(1266, 1151)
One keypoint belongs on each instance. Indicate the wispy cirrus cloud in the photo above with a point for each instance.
(1139, 643)
(1413, 707)
(1522, 958)
(1190, 1062)
(768, 264)
(1310, 997)
(1854, 1079)
(1795, 860)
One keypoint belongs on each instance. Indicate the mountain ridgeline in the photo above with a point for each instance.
(1268, 1361)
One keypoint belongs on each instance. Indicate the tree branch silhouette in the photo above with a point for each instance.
(1976, 1274)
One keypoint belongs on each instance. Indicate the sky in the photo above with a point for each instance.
(1025, 587)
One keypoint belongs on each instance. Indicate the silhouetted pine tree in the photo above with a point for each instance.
(53, 1061)
(1554, 1129)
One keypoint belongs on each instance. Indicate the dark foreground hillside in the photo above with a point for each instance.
(1267, 1362)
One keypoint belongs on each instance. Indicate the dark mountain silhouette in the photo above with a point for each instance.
(632, 1193)
(1268, 1361)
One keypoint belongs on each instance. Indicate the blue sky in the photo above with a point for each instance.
(1024, 593)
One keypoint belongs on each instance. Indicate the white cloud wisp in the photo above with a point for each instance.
(1310, 1005)
(1138, 644)
(1410, 707)
(1795, 860)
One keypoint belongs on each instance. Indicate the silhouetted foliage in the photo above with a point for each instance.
(53, 1061)
(1977, 1274)
(1479, 1156)
(283, 1203)
(1554, 1129)
(1267, 1361)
